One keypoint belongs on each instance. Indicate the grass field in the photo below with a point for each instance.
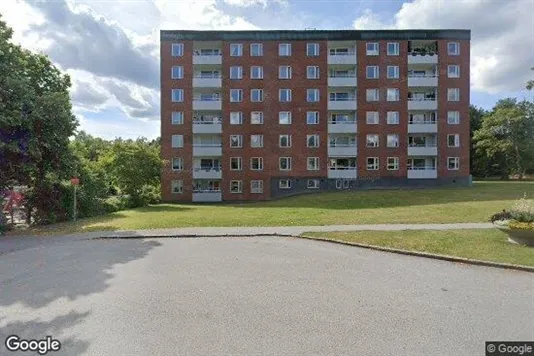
(480, 244)
(446, 205)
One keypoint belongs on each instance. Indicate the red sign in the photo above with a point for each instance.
(75, 181)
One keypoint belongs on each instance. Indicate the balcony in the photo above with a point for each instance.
(207, 58)
(428, 149)
(422, 104)
(338, 80)
(343, 173)
(341, 56)
(422, 173)
(342, 127)
(207, 196)
(207, 81)
(207, 173)
(211, 102)
(342, 150)
(207, 149)
(427, 80)
(425, 126)
(207, 126)
(347, 103)
(420, 58)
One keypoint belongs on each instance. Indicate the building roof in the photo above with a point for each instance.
(325, 35)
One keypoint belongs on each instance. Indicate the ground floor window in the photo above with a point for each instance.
(313, 184)
(284, 183)
(236, 186)
(177, 186)
(256, 186)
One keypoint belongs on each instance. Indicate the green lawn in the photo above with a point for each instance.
(446, 205)
(480, 244)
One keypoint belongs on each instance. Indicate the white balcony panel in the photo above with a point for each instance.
(342, 151)
(207, 82)
(207, 197)
(207, 128)
(422, 151)
(342, 82)
(342, 59)
(207, 151)
(422, 174)
(418, 59)
(422, 104)
(422, 128)
(207, 105)
(342, 128)
(217, 59)
(199, 173)
(342, 105)
(422, 81)
(342, 173)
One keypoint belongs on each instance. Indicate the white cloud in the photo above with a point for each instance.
(502, 32)
(249, 3)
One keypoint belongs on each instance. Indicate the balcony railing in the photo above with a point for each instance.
(210, 121)
(207, 76)
(207, 144)
(206, 190)
(425, 168)
(344, 75)
(422, 145)
(349, 98)
(350, 52)
(206, 98)
(342, 168)
(422, 99)
(342, 122)
(342, 145)
(423, 122)
(208, 53)
(422, 75)
(208, 169)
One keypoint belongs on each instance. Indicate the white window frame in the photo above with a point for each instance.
(180, 72)
(374, 166)
(315, 184)
(260, 72)
(367, 141)
(453, 117)
(258, 189)
(393, 118)
(286, 114)
(396, 91)
(456, 140)
(260, 49)
(288, 163)
(314, 163)
(284, 70)
(177, 118)
(260, 144)
(180, 165)
(454, 93)
(177, 141)
(315, 72)
(284, 184)
(260, 163)
(392, 166)
(179, 52)
(239, 47)
(372, 118)
(239, 72)
(396, 47)
(372, 51)
(456, 52)
(177, 184)
(374, 97)
(239, 141)
(397, 140)
(316, 140)
(180, 96)
(284, 53)
(240, 96)
(315, 117)
(455, 73)
(239, 186)
(288, 141)
(239, 114)
(315, 46)
(316, 96)
(239, 161)
(376, 72)
(260, 93)
(456, 165)
(396, 72)
(280, 95)
(259, 115)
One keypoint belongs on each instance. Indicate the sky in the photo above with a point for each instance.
(111, 48)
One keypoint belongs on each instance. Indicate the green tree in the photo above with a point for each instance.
(479, 164)
(507, 136)
(530, 83)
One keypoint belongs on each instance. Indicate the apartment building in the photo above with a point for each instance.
(253, 115)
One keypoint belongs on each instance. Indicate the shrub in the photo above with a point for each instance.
(113, 204)
(504, 215)
(523, 210)
(150, 194)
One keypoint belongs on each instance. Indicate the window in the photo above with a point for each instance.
(312, 140)
(236, 49)
(453, 117)
(256, 95)
(256, 163)
(284, 49)
(236, 95)
(372, 118)
(256, 141)
(453, 140)
(371, 48)
(236, 186)
(393, 117)
(312, 49)
(256, 72)
(392, 164)
(284, 95)
(177, 186)
(312, 184)
(256, 49)
(177, 95)
(256, 117)
(177, 118)
(371, 72)
(236, 118)
(393, 72)
(177, 141)
(285, 141)
(312, 95)
(453, 94)
(177, 164)
(177, 72)
(235, 163)
(372, 140)
(372, 95)
(453, 71)
(284, 117)
(313, 163)
(453, 49)
(285, 163)
(312, 72)
(256, 186)
(372, 163)
(392, 94)
(284, 72)
(236, 141)
(393, 140)
(236, 72)
(284, 183)
(177, 49)
(312, 117)
(453, 163)
(393, 49)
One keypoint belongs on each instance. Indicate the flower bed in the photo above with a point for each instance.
(518, 223)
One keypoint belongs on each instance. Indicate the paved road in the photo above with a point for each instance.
(256, 296)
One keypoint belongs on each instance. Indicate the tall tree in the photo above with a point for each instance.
(530, 83)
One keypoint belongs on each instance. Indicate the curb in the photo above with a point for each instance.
(425, 254)
(187, 236)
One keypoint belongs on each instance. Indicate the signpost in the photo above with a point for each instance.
(74, 181)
